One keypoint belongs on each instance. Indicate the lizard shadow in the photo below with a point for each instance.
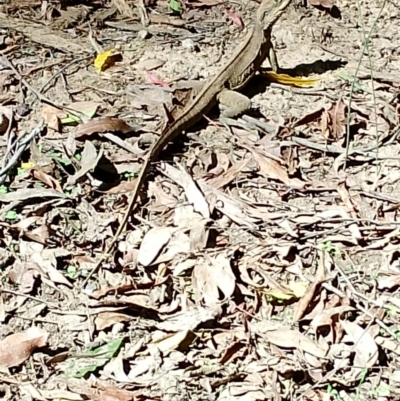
(316, 67)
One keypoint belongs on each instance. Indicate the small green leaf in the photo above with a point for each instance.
(175, 6)
(93, 359)
(3, 189)
(57, 157)
(71, 271)
(11, 215)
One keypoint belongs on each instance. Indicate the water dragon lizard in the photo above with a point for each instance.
(233, 76)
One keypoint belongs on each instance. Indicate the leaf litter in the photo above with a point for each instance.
(262, 260)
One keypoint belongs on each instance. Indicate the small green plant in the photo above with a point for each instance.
(72, 273)
(21, 170)
(362, 380)
(11, 215)
(3, 189)
(57, 157)
(333, 392)
(383, 390)
(175, 6)
(331, 249)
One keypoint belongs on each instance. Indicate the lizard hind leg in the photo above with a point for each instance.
(232, 103)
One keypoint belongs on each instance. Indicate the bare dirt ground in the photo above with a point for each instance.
(261, 262)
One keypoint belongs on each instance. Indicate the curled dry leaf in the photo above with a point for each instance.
(271, 168)
(155, 80)
(24, 275)
(212, 277)
(181, 339)
(235, 18)
(6, 118)
(366, 350)
(17, 348)
(324, 259)
(189, 320)
(107, 319)
(286, 338)
(46, 179)
(30, 193)
(102, 125)
(150, 64)
(328, 4)
(325, 318)
(333, 122)
(389, 282)
(194, 195)
(89, 161)
(153, 243)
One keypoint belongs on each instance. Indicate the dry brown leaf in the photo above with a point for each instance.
(229, 175)
(308, 118)
(231, 352)
(30, 193)
(389, 282)
(102, 125)
(89, 161)
(210, 278)
(236, 18)
(325, 318)
(233, 208)
(46, 179)
(150, 64)
(17, 348)
(107, 319)
(153, 243)
(366, 350)
(179, 340)
(204, 286)
(271, 168)
(286, 338)
(205, 3)
(322, 3)
(333, 122)
(124, 8)
(223, 275)
(324, 264)
(47, 262)
(23, 274)
(155, 80)
(52, 117)
(193, 194)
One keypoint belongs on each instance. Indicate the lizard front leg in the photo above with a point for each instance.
(232, 103)
(273, 59)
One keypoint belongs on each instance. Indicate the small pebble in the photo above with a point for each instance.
(189, 44)
(143, 34)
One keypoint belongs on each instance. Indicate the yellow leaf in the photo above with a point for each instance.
(288, 80)
(27, 165)
(299, 288)
(283, 296)
(106, 60)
